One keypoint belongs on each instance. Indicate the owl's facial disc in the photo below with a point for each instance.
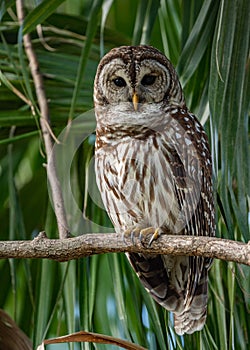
(136, 82)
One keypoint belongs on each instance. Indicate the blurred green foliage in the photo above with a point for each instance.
(208, 42)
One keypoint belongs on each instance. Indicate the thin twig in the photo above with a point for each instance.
(90, 244)
(45, 127)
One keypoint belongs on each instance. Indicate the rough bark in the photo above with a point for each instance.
(89, 244)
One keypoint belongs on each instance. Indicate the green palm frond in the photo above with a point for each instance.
(208, 42)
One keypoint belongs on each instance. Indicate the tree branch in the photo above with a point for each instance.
(89, 244)
(45, 127)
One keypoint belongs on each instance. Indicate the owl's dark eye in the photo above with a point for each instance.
(120, 82)
(148, 79)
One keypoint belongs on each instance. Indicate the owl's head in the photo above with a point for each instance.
(139, 75)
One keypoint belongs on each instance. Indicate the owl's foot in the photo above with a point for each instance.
(145, 235)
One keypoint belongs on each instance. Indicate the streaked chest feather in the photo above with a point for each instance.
(136, 182)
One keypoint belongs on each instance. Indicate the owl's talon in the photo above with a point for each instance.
(155, 236)
(149, 232)
(142, 234)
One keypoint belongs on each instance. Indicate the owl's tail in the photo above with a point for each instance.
(193, 317)
(189, 321)
(179, 291)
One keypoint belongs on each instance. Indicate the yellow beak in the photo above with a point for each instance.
(135, 100)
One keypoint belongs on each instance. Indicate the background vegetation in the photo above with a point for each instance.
(208, 42)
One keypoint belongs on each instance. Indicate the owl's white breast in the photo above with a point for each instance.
(136, 184)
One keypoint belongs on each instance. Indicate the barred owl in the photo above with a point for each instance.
(153, 169)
